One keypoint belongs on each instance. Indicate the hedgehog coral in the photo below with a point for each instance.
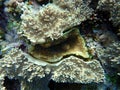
(48, 23)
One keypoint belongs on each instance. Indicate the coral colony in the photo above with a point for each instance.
(66, 41)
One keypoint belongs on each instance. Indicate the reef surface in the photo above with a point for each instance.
(59, 44)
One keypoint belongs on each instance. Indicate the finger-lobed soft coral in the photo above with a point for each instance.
(76, 70)
(44, 23)
(48, 22)
(16, 64)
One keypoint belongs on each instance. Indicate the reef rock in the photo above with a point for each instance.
(112, 6)
(110, 56)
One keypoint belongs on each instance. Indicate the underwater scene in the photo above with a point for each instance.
(59, 44)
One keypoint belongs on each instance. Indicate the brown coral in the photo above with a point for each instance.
(74, 45)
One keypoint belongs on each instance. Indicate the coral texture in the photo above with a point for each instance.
(15, 65)
(49, 22)
(75, 70)
(110, 56)
(46, 40)
(11, 5)
(18, 65)
(113, 6)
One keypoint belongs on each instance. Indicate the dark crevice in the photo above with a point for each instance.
(3, 16)
(99, 21)
(104, 17)
(72, 86)
(11, 84)
(78, 56)
(43, 2)
(67, 56)
(94, 4)
(58, 50)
